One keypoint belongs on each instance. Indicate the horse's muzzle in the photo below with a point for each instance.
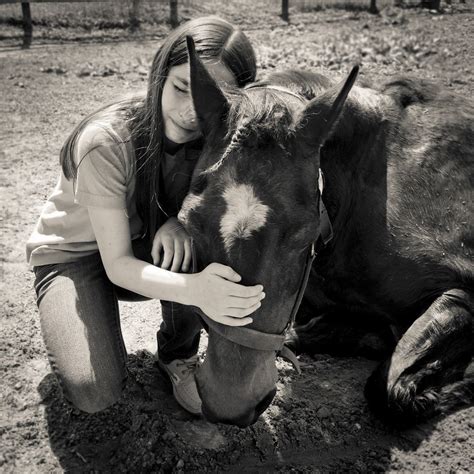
(244, 420)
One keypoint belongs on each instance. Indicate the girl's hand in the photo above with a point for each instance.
(216, 293)
(174, 242)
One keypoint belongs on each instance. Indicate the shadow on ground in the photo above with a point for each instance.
(319, 421)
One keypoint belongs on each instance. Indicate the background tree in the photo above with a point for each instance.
(134, 15)
(284, 10)
(174, 13)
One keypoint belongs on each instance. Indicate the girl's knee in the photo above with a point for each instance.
(92, 396)
(94, 403)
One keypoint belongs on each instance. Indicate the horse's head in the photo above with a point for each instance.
(254, 205)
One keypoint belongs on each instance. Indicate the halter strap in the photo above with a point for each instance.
(259, 340)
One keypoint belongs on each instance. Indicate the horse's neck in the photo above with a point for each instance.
(355, 185)
(355, 159)
(338, 194)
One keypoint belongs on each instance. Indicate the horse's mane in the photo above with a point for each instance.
(306, 84)
(259, 113)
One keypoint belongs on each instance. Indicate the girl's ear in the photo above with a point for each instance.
(315, 124)
(209, 100)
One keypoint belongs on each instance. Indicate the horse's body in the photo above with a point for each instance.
(396, 280)
(400, 195)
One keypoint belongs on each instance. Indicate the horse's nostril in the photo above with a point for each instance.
(209, 416)
(252, 416)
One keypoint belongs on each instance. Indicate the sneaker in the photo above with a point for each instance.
(181, 373)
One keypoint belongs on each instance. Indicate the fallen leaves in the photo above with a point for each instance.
(54, 70)
(97, 70)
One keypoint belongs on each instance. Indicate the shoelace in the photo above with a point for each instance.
(188, 365)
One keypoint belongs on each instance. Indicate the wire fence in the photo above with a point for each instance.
(157, 10)
(133, 14)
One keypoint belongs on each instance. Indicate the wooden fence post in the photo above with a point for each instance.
(373, 6)
(284, 10)
(174, 13)
(134, 13)
(27, 25)
(431, 4)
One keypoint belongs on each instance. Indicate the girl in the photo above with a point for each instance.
(109, 230)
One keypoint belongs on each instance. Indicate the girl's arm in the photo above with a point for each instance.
(214, 290)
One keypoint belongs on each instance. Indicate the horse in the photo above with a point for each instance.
(355, 201)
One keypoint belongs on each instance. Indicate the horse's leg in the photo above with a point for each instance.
(341, 334)
(426, 373)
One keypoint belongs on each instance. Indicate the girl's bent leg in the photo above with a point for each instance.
(81, 329)
(178, 337)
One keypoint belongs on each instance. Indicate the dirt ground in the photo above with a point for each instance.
(319, 421)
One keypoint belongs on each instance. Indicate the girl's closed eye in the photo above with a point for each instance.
(180, 89)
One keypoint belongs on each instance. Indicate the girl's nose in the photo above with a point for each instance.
(188, 114)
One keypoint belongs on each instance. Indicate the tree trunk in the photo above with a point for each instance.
(373, 6)
(174, 13)
(27, 25)
(284, 10)
(431, 4)
(134, 13)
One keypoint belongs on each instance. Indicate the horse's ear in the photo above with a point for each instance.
(209, 100)
(319, 117)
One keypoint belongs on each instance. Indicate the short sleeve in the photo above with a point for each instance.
(101, 169)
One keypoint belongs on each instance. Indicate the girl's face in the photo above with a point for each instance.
(179, 117)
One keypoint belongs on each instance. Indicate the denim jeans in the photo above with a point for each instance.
(80, 323)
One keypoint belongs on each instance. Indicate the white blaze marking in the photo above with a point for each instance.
(245, 214)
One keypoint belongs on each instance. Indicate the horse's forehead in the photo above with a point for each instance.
(244, 213)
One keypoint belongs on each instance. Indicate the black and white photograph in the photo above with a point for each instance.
(237, 236)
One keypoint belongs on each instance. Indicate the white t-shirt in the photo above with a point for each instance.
(105, 162)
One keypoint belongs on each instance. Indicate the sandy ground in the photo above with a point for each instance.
(319, 421)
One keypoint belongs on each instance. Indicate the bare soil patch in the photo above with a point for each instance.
(319, 420)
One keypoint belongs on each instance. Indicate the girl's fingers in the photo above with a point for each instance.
(187, 256)
(178, 256)
(168, 256)
(224, 271)
(156, 251)
(242, 291)
(244, 303)
(230, 321)
(242, 312)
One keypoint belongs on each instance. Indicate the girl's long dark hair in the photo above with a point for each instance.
(215, 39)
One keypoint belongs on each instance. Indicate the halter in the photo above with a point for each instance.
(262, 341)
